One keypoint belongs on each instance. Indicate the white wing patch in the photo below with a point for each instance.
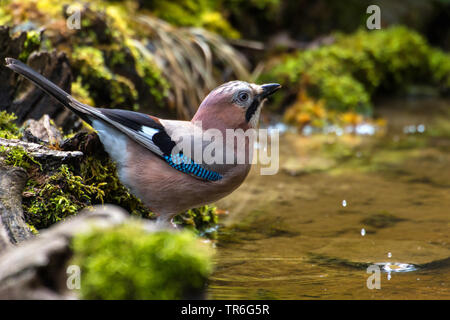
(149, 131)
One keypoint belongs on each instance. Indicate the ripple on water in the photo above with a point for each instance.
(396, 267)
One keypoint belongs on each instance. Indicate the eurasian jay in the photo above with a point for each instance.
(146, 151)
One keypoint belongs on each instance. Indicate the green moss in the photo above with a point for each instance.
(203, 13)
(18, 157)
(103, 173)
(90, 62)
(81, 93)
(104, 86)
(348, 73)
(127, 263)
(8, 128)
(118, 57)
(32, 43)
(71, 189)
(149, 72)
(62, 195)
(5, 15)
(201, 220)
(214, 21)
(439, 63)
(123, 92)
(33, 229)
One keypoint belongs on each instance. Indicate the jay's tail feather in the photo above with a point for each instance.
(52, 89)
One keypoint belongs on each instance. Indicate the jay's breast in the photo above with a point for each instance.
(166, 190)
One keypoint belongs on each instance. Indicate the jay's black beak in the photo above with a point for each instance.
(269, 89)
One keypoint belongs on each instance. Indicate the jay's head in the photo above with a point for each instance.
(235, 104)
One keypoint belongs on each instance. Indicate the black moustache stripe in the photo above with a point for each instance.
(252, 109)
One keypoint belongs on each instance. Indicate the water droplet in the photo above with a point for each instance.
(421, 128)
(307, 130)
(363, 232)
(280, 127)
(389, 255)
(412, 129)
(365, 129)
(344, 203)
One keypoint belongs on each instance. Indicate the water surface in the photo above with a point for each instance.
(339, 204)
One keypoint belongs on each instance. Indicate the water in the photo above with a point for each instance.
(293, 236)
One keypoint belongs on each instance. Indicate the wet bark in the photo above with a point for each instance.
(23, 98)
(31, 102)
(12, 222)
(42, 152)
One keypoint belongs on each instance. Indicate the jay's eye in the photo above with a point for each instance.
(243, 96)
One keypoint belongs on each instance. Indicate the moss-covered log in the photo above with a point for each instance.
(153, 264)
(37, 268)
(39, 151)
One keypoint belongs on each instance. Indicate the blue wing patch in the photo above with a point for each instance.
(186, 165)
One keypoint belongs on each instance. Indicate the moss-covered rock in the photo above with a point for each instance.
(18, 157)
(203, 220)
(127, 263)
(104, 86)
(107, 72)
(192, 13)
(8, 128)
(347, 74)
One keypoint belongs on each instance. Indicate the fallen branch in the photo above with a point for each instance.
(41, 152)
